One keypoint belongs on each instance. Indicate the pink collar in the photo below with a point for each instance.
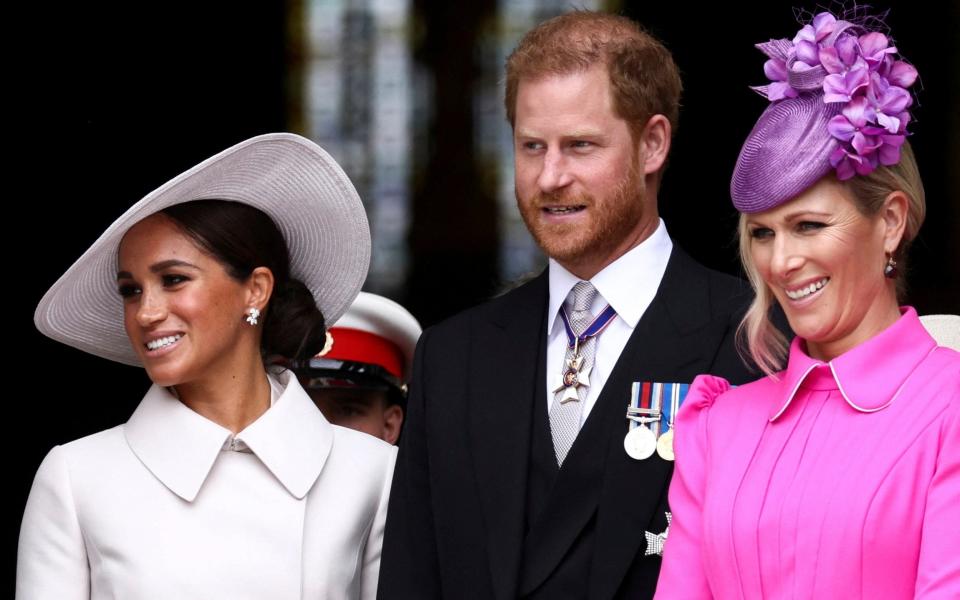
(869, 376)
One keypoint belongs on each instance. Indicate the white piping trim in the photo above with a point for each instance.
(794, 391)
(892, 398)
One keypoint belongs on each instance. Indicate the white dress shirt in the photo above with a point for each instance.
(629, 285)
(172, 505)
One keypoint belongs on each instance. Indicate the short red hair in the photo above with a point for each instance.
(644, 80)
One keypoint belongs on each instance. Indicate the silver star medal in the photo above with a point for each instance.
(656, 541)
(571, 379)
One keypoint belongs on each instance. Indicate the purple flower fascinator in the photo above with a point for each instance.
(839, 101)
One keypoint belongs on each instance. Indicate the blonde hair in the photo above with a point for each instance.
(757, 338)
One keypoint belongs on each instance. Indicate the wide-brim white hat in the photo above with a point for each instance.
(288, 177)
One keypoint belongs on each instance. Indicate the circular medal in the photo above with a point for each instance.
(665, 445)
(640, 443)
(570, 378)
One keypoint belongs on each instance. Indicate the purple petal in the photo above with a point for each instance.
(779, 90)
(858, 111)
(860, 63)
(841, 128)
(902, 74)
(873, 43)
(847, 48)
(878, 85)
(866, 164)
(835, 89)
(893, 140)
(823, 25)
(889, 152)
(806, 33)
(807, 52)
(869, 129)
(888, 155)
(834, 97)
(904, 118)
(895, 100)
(855, 80)
(831, 60)
(843, 163)
(775, 70)
(884, 68)
(775, 91)
(874, 48)
(865, 144)
(837, 155)
(891, 124)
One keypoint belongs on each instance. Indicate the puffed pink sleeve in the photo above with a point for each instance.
(682, 575)
(938, 572)
(51, 557)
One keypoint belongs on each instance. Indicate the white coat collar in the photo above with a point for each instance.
(180, 447)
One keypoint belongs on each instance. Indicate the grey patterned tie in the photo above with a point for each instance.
(565, 416)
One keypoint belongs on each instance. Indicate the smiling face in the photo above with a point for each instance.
(183, 313)
(823, 261)
(580, 176)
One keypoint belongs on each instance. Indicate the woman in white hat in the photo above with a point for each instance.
(226, 481)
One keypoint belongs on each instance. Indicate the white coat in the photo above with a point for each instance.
(171, 506)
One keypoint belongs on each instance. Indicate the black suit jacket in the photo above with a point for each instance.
(456, 522)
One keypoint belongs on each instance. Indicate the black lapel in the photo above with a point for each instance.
(581, 483)
(506, 371)
(597, 459)
(672, 343)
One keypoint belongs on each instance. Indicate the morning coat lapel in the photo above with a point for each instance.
(665, 346)
(506, 377)
(596, 465)
(573, 499)
(596, 462)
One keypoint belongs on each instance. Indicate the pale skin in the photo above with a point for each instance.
(823, 261)
(586, 188)
(173, 289)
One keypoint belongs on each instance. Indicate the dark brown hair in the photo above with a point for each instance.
(243, 238)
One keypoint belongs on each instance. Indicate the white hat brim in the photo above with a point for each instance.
(288, 177)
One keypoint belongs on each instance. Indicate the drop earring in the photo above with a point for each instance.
(890, 269)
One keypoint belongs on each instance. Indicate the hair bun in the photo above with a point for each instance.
(294, 327)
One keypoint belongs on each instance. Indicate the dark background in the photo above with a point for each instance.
(110, 101)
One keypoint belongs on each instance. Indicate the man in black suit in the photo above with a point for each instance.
(512, 478)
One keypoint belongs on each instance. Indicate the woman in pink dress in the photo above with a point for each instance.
(837, 475)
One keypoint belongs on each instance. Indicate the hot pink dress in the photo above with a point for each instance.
(840, 480)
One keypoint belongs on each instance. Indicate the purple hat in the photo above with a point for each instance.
(838, 102)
